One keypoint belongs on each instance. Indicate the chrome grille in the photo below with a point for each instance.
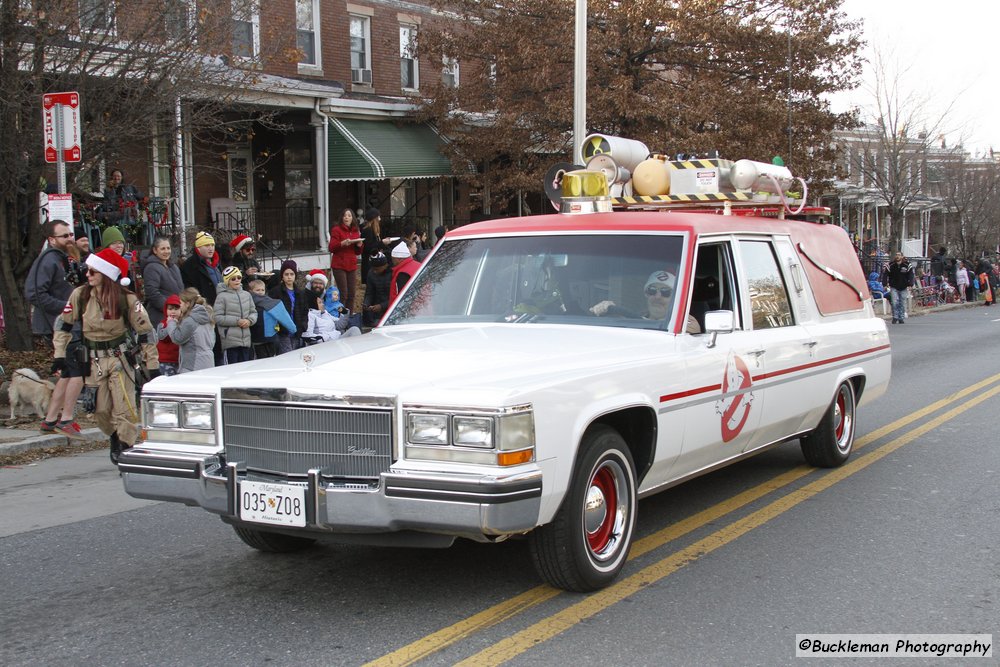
(292, 439)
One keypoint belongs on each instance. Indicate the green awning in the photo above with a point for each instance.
(363, 150)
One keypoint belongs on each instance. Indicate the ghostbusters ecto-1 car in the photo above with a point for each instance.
(536, 378)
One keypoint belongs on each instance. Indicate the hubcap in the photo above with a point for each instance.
(605, 511)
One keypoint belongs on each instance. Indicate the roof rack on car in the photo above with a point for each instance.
(622, 174)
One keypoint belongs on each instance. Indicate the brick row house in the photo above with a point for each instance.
(327, 125)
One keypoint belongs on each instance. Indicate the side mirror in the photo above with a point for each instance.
(716, 322)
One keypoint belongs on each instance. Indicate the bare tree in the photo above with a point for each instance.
(132, 63)
(970, 191)
(685, 77)
(898, 134)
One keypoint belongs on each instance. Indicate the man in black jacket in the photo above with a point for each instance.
(202, 271)
(899, 276)
(376, 291)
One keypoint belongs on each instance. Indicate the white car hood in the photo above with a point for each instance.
(486, 362)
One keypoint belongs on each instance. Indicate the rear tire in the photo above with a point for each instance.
(587, 543)
(272, 542)
(831, 442)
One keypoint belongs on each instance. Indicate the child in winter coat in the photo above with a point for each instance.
(234, 315)
(194, 331)
(324, 327)
(167, 349)
(272, 317)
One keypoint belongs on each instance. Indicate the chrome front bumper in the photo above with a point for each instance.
(479, 507)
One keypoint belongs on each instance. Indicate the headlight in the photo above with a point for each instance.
(474, 431)
(426, 429)
(516, 431)
(196, 415)
(163, 414)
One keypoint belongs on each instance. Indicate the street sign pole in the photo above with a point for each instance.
(60, 159)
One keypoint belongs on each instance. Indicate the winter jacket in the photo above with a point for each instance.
(196, 337)
(401, 274)
(299, 312)
(47, 290)
(376, 294)
(159, 282)
(900, 276)
(333, 304)
(272, 316)
(168, 351)
(231, 306)
(201, 275)
(344, 258)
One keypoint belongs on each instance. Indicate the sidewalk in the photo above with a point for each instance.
(17, 440)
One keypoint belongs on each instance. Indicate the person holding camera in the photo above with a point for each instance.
(115, 326)
(51, 280)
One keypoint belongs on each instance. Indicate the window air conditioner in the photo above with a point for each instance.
(361, 76)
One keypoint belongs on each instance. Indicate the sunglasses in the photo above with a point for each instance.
(665, 292)
(63, 236)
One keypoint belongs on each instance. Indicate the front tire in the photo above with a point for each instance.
(831, 442)
(272, 542)
(587, 543)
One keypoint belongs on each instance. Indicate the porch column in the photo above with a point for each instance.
(321, 182)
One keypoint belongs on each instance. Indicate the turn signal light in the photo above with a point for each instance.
(514, 458)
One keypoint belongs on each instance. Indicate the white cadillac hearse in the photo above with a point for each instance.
(536, 378)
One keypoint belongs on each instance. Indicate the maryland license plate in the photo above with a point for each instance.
(275, 504)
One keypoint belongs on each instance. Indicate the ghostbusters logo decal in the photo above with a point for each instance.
(735, 409)
(68, 308)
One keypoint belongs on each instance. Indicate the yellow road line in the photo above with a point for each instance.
(561, 621)
(500, 612)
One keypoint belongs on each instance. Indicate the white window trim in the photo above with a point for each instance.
(367, 20)
(99, 31)
(451, 66)
(190, 18)
(254, 20)
(317, 67)
(416, 62)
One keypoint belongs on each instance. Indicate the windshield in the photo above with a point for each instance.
(616, 280)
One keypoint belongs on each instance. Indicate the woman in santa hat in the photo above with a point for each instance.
(114, 321)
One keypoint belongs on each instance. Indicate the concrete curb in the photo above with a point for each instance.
(16, 441)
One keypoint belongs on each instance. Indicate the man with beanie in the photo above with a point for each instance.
(243, 258)
(235, 313)
(202, 271)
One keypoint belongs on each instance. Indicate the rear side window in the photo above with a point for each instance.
(769, 304)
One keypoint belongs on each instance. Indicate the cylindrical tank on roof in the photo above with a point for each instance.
(651, 177)
(757, 177)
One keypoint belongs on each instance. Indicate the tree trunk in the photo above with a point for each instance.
(16, 312)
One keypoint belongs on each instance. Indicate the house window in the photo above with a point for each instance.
(449, 73)
(307, 31)
(246, 29)
(408, 57)
(178, 18)
(361, 71)
(97, 15)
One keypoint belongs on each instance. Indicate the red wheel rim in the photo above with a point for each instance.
(604, 482)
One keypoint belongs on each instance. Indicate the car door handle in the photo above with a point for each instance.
(756, 353)
(811, 343)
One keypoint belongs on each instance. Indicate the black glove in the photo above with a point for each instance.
(58, 365)
(153, 373)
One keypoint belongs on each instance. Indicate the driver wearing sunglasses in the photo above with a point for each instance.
(659, 292)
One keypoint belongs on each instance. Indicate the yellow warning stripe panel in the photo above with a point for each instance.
(699, 164)
(673, 199)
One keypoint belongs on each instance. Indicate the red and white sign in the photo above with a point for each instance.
(68, 104)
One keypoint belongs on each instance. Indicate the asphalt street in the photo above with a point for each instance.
(726, 569)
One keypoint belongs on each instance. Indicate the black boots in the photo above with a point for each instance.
(116, 447)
